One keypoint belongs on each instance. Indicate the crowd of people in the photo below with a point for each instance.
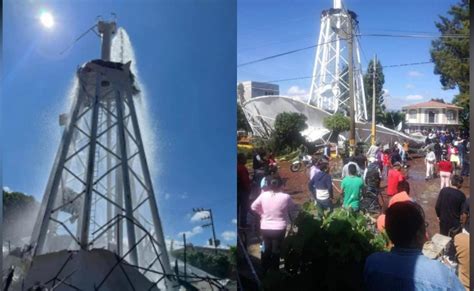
(401, 217)
(448, 154)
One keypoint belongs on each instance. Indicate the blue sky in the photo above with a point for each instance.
(185, 53)
(270, 27)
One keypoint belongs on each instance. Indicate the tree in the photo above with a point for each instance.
(241, 93)
(287, 130)
(219, 265)
(451, 55)
(337, 123)
(391, 119)
(242, 123)
(368, 85)
(19, 214)
(441, 100)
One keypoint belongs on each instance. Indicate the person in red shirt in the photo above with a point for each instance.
(445, 169)
(385, 163)
(243, 189)
(395, 176)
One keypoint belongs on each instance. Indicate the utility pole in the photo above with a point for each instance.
(373, 101)
(213, 230)
(351, 89)
(215, 242)
(184, 255)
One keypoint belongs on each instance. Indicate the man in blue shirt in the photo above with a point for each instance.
(405, 267)
(321, 185)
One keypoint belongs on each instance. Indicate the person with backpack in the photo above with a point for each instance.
(372, 176)
(372, 179)
(321, 185)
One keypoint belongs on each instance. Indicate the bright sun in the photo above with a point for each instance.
(47, 19)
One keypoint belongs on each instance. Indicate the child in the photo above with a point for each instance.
(385, 163)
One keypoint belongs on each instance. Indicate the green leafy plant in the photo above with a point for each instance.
(218, 265)
(326, 252)
(451, 55)
(286, 135)
(337, 123)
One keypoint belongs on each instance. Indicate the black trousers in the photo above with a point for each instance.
(243, 206)
(272, 239)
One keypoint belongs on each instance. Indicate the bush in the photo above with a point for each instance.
(218, 265)
(326, 252)
(337, 123)
(286, 135)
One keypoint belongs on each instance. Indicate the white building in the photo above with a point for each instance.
(254, 89)
(431, 115)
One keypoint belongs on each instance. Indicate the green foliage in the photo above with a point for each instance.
(337, 123)
(391, 119)
(368, 85)
(240, 92)
(326, 252)
(17, 209)
(242, 123)
(451, 55)
(218, 265)
(286, 135)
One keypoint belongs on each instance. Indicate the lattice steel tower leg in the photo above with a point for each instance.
(330, 83)
(100, 194)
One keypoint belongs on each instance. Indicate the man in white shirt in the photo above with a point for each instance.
(430, 159)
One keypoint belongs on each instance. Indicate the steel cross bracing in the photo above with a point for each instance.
(99, 194)
(330, 83)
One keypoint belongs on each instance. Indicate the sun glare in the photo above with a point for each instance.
(47, 19)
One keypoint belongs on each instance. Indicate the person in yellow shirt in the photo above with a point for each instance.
(461, 244)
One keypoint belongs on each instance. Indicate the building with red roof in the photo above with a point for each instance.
(431, 115)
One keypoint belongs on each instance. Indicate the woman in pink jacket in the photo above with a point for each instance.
(275, 209)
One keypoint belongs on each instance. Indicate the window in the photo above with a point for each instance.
(412, 114)
(431, 116)
(451, 115)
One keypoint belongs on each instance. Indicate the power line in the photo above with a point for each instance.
(284, 53)
(416, 35)
(358, 35)
(387, 66)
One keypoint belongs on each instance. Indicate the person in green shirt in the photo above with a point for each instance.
(352, 189)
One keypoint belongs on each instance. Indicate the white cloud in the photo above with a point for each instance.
(229, 235)
(297, 93)
(409, 86)
(167, 196)
(198, 216)
(234, 221)
(193, 232)
(7, 189)
(415, 74)
(184, 195)
(414, 97)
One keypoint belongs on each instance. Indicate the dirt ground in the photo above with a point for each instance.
(424, 192)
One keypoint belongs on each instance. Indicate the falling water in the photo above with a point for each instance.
(122, 51)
